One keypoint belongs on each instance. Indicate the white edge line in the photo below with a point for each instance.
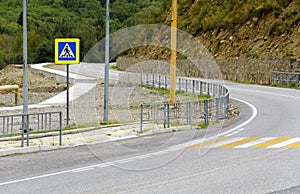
(254, 114)
(228, 132)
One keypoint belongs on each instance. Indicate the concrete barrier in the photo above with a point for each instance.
(12, 87)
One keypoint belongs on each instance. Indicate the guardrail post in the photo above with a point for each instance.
(205, 111)
(22, 132)
(280, 79)
(226, 105)
(166, 84)
(217, 108)
(147, 80)
(201, 88)
(141, 119)
(27, 129)
(288, 79)
(179, 83)
(193, 87)
(153, 77)
(297, 80)
(189, 114)
(208, 93)
(186, 85)
(168, 115)
(165, 115)
(60, 128)
(159, 80)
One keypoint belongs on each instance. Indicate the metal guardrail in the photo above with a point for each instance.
(286, 78)
(26, 124)
(200, 111)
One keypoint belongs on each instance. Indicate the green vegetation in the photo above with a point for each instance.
(85, 19)
(111, 122)
(2, 104)
(163, 91)
(157, 91)
(292, 85)
(50, 19)
(202, 126)
(114, 67)
(203, 15)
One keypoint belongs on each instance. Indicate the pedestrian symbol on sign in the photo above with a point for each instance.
(67, 52)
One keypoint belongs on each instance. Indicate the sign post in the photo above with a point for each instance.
(67, 52)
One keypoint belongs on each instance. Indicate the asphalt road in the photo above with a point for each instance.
(258, 153)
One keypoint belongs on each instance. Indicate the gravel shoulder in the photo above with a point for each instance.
(124, 102)
(40, 87)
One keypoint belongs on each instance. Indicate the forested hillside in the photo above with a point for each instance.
(50, 19)
(228, 28)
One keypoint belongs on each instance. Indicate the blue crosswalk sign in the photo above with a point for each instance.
(67, 51)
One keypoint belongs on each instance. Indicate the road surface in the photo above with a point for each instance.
(258, 153)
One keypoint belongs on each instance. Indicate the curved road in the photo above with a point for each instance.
(257, 153)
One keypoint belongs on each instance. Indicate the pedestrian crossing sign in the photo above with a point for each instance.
(67, 51)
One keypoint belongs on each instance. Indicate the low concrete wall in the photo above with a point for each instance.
(130, 78)
(241, 70)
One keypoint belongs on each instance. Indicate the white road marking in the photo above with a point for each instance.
(225, 142)
(269, 93)
(82, 170)
(285, 143)
(255, 142)
(254, 114)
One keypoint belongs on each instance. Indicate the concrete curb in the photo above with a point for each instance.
(42, 148)
(60, 75)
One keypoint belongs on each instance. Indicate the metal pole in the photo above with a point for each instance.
(141, 119)
(60, 128)
(67, 105)
(23, 127)
(25, 65)
(106, 76)
(27, 130)
(205, 111)
(173, 51)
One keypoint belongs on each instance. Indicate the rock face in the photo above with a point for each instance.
(241, 70)
(260, 39)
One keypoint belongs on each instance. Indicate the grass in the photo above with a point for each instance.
(110, 122)
(163, 91)
(203, 96)
(202, 126)
(2, 104)
(115, 67)
(159, 91)
(292, 85)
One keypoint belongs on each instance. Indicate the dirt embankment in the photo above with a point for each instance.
(39, 86)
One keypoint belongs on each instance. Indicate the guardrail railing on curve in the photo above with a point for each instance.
(193, 112)
(286, 78)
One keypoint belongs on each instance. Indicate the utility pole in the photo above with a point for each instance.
(173, 51)
(106, 76)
